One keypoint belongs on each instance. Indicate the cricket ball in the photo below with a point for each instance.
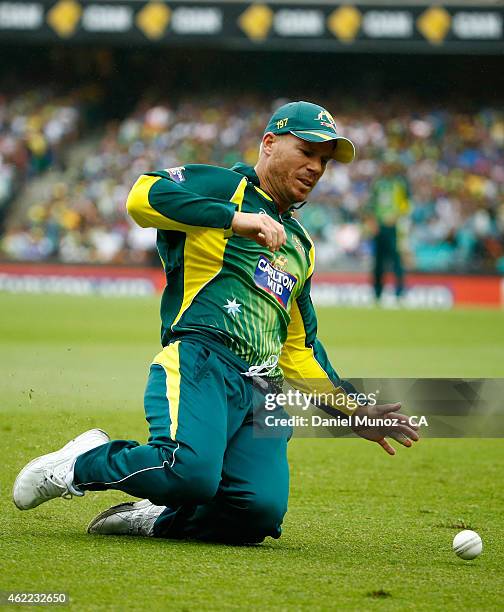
(467, 544)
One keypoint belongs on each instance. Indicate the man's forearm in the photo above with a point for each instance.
(158, 202)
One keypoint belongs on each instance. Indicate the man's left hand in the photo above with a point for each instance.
(400, 427)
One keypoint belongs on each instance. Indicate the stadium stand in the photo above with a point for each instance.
(454, 162)
(33, 128)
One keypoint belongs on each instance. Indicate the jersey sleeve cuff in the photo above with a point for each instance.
(228, 214)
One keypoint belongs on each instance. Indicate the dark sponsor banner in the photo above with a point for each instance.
(438, 407)
(324, 27)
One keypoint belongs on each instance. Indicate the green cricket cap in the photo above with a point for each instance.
(313, 123)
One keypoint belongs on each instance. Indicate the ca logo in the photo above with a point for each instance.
(280, 262)
(326, 118)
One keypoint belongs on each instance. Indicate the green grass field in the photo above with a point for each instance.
(364, 531)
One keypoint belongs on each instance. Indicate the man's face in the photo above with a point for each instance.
(295, 165)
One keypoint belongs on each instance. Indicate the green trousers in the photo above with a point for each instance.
(385, 253)
(204, 460)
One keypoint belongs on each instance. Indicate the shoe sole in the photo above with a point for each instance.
(47, 456)
(119, 509)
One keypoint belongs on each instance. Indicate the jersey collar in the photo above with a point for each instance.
(247, 171)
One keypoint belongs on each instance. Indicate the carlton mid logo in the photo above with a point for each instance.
(277, 283)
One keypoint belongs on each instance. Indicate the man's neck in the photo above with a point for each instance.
(282, 205)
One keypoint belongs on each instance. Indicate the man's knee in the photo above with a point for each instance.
(188, 479)
(262, 515)
(267, 509)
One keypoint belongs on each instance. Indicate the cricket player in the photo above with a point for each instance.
(236, 307)
(387, 206)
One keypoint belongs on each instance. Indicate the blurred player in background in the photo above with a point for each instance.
(388, 205)
(236, 307)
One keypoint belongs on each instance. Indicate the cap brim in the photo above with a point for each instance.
(344, 151)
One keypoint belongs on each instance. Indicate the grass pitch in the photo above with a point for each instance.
(363, 531)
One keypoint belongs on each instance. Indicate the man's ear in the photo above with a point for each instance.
(268, 141)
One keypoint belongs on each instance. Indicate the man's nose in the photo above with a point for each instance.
(315, 165)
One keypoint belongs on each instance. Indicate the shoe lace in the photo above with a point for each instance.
(143, 524)
(51, 480)
(263, 369)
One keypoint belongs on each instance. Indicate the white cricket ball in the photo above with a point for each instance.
(467, 544)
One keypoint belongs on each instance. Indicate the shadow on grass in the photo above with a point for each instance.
(62, 536)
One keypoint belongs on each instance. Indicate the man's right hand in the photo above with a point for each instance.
(401, 428)
(261, 228)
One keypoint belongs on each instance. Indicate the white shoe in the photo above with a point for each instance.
(51, 475)
(131, 518)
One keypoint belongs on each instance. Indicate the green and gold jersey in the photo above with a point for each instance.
(389, 199)
(226, 286)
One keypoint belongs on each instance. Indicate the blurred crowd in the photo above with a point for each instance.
(452, 160)
(454, 164)
(34, 126)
